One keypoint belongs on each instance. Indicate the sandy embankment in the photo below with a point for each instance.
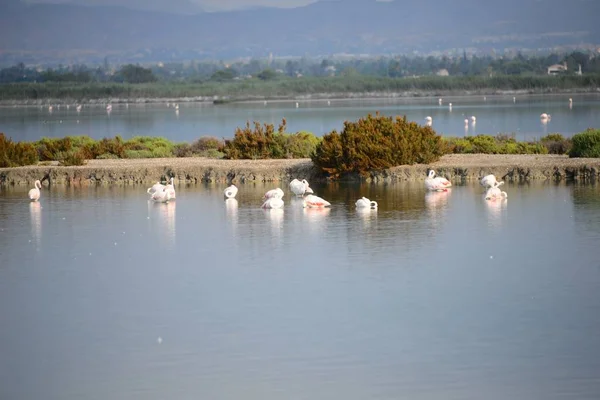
(457, 167)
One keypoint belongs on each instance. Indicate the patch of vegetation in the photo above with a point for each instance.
(263, 142)
(16, 154)
(586, 144)
(375, 143)
(556, 143)
(487, 144)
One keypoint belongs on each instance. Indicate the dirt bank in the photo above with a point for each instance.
(458, 168)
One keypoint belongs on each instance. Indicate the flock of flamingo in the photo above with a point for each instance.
(273, 199)
(544, 117)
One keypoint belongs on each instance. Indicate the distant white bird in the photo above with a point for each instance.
(177, 106)
(473, 120)
(466, 121)
(544, 116)
(34, 194)
(299, 188)
(78, 108)
(514, 99)
(488, 181)
(109, 108)
(436, 183)
(230, 192)
(494, 192)
(171, 188)
(428, 121)
(273, 202)
(365, 203)
(450, 106)
(49, 109)
(297, 105)
(273, 193)
(440, 101)
(156, 187)
(312, 201)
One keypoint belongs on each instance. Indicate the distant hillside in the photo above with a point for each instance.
(326, 27)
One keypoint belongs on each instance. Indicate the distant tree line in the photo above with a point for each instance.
(77, 74)
(265, 69)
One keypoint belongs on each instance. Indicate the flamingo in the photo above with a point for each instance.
(34, 194)
(440, 101)
(473, 120)
(488, 181)
(177, 106)
(273, 193)
(171, 188)
(544, 116)
(494, 192)
(109, 108)
(450, 106)
(312, 201)
(436, 183)
(300, 187)
(78, 108)
(231, 191)
(156, 187)
(161, 196)
(366, 203)
(273, 202)
(428, 121)
(466, 122)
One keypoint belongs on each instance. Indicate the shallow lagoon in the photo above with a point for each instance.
(435, 295)
(495, 114)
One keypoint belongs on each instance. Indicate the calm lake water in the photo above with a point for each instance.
(495, 114)
(432, 296)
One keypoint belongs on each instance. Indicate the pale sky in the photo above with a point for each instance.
(185, 6)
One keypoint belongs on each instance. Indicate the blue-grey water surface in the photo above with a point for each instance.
(494, 115)
(432, 296)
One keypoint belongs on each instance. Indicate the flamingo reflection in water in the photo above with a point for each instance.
(495, 209)
(165, 213)
(436, 204)
(35, 212)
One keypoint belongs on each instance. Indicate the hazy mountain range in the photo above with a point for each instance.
(323, 28)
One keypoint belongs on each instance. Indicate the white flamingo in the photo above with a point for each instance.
(161, 196)
(436, 183)
(171, 188)
(494, 192)
(34, 194)
(440, 101)
(366, 203)
(299, 188)
(156, 187)
(428, 121)
(273, 193)
(488, 181)
(78, 108)
(312, 201)
(109, 108)
(473, 120)
(273, 202)
(231, 191)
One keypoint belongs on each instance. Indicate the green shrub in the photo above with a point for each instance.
(206, 143)
(586, 144)
(375, 143)
(138, 154)
(458, 145)
(262, 142)
(556, 143)
(73, 157)
(16, 154)
(114, 146)
(484, 144)
(107, 156)
(182, 150)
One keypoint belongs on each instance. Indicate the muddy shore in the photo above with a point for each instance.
(456, 167)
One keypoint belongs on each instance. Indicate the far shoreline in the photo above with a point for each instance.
(456, 167)
(224, 100)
